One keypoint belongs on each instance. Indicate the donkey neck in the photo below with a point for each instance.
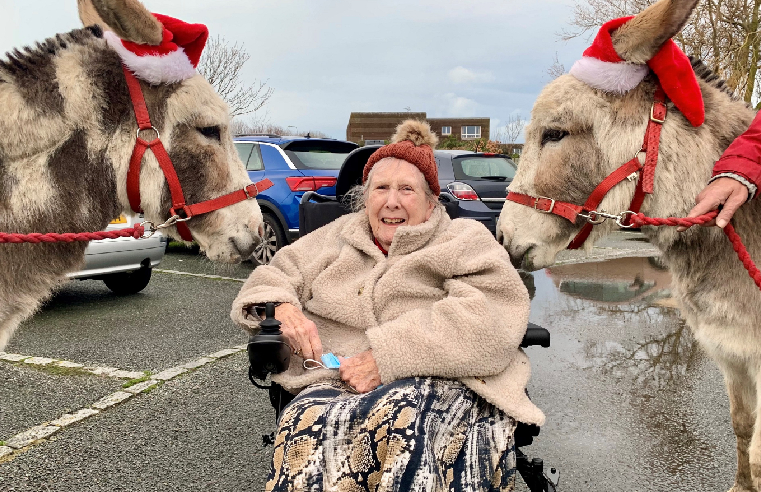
(687, 157)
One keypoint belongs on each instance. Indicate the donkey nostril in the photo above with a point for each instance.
(261, 231)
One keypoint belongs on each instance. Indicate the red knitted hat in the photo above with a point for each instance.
(413, 142)
(174, 60)
(602, 68)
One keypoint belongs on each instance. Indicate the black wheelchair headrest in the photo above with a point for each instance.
(351, 171)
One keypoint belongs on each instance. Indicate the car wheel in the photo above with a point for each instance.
(128, 283)
(272, 241)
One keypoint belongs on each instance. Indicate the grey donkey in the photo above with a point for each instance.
(578, 135)
(67, 131)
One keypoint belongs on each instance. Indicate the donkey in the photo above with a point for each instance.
(67, 131)
(578, 135)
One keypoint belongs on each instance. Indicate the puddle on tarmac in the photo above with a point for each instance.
(632, 401)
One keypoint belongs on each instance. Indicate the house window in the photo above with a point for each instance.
(471, 132)
(446, 130)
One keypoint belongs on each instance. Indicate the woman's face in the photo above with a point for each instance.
(396, 198)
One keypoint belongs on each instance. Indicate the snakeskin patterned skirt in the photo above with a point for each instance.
(417, 434)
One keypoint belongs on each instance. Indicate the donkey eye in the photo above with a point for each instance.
(210, 132)
(553, 135)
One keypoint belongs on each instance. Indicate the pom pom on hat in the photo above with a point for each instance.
(413, 142)
(602, 68)
(174, 60)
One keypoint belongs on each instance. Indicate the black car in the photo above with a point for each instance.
(477, 181)
(473, 185)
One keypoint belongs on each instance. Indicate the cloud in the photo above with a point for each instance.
(458, 106)
(462, 75)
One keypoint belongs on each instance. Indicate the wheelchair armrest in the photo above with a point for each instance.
(536, 335)
(313, 195)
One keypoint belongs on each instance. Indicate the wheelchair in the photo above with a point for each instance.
(317, 210)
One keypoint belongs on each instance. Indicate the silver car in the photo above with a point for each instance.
(123, 264)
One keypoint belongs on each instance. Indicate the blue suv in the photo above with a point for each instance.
(295, 165)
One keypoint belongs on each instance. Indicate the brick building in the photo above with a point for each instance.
(379, 127)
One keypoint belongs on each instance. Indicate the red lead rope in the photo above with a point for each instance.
(69, 237)
(639, 220)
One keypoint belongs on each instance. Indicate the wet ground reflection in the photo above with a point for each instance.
(632, 402)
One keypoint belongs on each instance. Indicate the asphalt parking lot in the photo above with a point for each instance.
(199, 430)
(149, 393)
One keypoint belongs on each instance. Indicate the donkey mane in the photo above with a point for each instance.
(32, 58)
(711, 78)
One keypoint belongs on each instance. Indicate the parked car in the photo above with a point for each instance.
(473, 185)
(124, 264)
(295, 165)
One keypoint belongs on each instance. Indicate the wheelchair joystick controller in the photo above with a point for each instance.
(267, 351)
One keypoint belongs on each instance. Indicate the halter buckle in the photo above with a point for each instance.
(552, 204)
(249, 195)
(652, 116)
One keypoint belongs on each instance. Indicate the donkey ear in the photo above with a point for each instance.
(639, 40)
(128, 19)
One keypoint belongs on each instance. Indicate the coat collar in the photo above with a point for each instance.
(408, 239)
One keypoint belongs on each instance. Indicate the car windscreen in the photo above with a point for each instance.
(477, 167)
(311, 154)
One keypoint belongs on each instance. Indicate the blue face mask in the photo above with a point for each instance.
(327, 361)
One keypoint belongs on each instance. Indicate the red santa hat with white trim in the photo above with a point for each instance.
(172, 61)
(602, 68)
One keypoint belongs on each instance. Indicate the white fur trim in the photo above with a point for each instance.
(607, 76)
(167, 69)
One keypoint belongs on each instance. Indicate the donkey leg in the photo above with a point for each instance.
(754, 450)
(8, 325)
(742, 403)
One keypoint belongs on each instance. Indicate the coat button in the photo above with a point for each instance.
(361, 289)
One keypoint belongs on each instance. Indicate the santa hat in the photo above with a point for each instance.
(413, 142)
(174, 60)
(603, 69)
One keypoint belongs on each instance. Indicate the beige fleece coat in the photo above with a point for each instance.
(446, 302)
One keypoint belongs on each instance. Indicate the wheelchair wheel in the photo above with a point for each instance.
(272, 241)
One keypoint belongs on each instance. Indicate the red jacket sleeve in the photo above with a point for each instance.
(743, 157)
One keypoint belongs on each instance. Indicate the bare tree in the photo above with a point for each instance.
(556, 69)
(262, 126)
(514, 127)
(221, 64)
(722, 33)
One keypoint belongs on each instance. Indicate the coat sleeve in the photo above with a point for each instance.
(283, 280)
(475, 330)
(743, 157)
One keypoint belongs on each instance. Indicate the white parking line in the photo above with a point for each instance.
(200, 275)
(111, 372)
(24, 441)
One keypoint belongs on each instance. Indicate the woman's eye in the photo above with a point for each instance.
(553, 135)
(210, 132)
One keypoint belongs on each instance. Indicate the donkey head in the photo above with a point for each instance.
(578, 135)
(194, 125)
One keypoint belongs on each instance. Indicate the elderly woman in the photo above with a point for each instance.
(426, 315)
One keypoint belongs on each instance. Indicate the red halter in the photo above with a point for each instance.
(180, 211)
(629, 170)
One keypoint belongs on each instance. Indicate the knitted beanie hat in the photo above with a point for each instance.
(413, 142)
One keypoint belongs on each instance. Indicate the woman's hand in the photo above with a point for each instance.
(299, 331)
(724, 191)
(360, 372)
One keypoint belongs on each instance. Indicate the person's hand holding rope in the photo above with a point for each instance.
(724, 191)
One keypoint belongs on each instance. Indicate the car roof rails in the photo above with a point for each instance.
(268, 135)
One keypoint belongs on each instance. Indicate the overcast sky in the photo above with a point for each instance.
(327, 58)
